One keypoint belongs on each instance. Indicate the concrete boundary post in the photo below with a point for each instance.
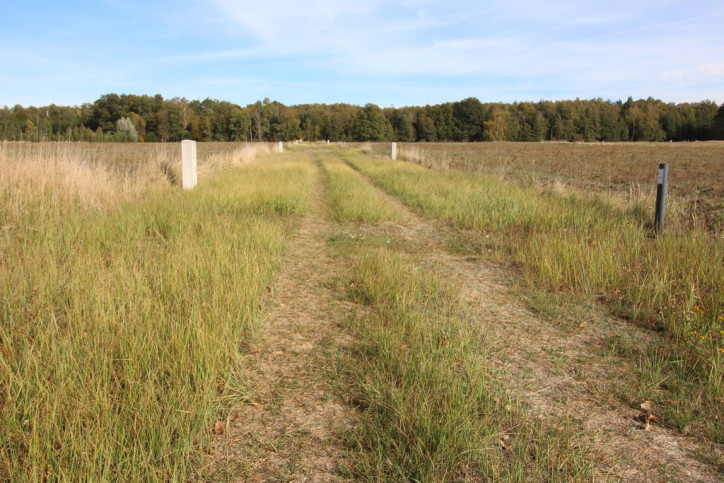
(188, 164)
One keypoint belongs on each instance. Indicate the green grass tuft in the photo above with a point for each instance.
(352, 198)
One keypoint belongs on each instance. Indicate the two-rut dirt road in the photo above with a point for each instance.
(290, 424)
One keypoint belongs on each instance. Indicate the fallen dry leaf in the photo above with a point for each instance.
(219, 427)
(503, 439)
(647, 418)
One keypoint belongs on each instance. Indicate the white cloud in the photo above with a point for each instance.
(534, 38)
(698, 74)
(408, 48)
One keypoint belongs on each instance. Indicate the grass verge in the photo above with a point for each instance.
(599, 248)
(120, 319)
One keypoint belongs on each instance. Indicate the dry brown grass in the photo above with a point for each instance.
(241, 155)
(423, 157)
(694, 168)
(60, 174)
(96, 175)
(117, 154)
(696, 190)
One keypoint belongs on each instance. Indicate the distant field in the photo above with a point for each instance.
(125, 154)
(696, 170)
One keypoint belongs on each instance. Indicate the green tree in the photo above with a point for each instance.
(239, 125)
(611, 123)
(565, 121)
(341, 121)
(444, 121)
(370, 125)
(469, 116)
(263, 114)
(717, 126)
(532, 125)
(642, 120)
(401, 127)
(106, 111)
(704, 114)
(425, 129)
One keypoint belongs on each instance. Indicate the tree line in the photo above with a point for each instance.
(132, 118)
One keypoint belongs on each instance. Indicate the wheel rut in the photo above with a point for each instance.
(557, 370)
(288, 428)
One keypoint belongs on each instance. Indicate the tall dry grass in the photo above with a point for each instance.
(124, 299)
(419, 155)
(98, 174)
(61, 177)
(240, 156)
(695, 186)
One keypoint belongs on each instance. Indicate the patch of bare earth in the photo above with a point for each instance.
(287, 429)
(562, 373)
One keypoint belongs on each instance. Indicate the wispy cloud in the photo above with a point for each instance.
(389, 51)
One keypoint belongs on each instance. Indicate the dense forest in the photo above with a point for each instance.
(154, 119)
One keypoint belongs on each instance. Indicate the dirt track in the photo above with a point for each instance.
(288, 429)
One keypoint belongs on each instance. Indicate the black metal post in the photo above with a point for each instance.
(661, 197)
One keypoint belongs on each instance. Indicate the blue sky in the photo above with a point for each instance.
(391, 53)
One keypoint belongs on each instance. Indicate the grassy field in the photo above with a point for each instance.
(422, 371)
(600, 247)
(352, 200)
(434, 410)
(128, 303)
(695, 187)
(112, 354)
(118, 155)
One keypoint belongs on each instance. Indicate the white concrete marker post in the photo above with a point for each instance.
(281, 147)
(394, 151)
(188, 166)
